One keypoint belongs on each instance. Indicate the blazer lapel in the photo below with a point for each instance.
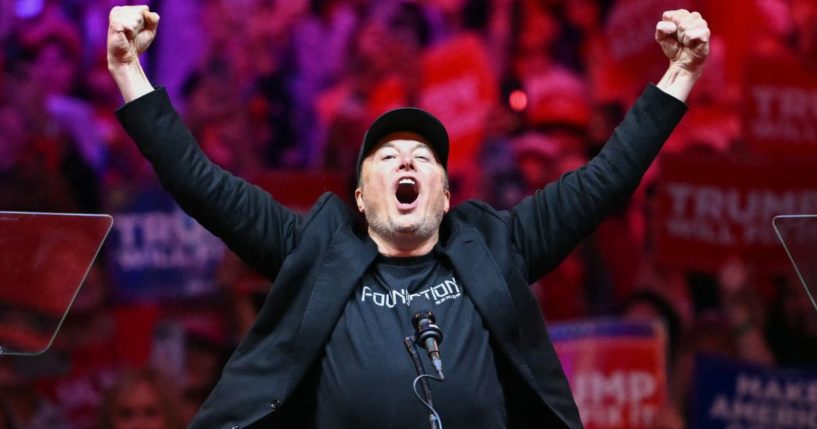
(346, 261)
(486, 287)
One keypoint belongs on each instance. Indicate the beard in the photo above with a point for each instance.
(418, 232)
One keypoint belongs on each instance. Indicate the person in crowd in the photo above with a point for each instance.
(64, 141)
(140, 399)
(21, 405)
(792, 326)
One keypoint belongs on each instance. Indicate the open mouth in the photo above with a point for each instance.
(407, 191)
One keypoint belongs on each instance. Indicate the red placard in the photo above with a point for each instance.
(710, 208)
(739, 28)
(459, 88)
(780, 109)
(616, 371)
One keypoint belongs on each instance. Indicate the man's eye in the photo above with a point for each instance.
(388, 157)
(422, 157)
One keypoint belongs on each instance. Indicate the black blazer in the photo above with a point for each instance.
(316, 260)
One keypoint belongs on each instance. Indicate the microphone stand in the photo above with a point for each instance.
(418, 367)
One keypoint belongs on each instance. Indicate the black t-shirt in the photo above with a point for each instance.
(366, 375)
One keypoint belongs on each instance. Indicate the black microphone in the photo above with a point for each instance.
(429, 336)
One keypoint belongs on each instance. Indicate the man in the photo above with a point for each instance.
(326, 349)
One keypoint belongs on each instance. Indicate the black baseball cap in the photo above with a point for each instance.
(409, 119)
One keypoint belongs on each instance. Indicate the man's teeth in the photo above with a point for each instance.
(406, 190)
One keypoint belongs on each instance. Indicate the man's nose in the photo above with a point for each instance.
(407, 162)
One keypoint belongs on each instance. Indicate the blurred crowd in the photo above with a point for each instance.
(291, 86)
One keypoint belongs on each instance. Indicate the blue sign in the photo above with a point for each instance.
(157, 251)
(735, 395)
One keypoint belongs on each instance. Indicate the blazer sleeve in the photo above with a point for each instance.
(546, 226)
(252, 224)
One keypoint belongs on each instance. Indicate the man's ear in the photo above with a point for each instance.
(359, 199)
(447, 201)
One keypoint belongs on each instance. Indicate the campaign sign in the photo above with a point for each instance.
(155, 250)
(711, 208)
(734, 395)
(737, 28)
(459, 88)
(616, 370)
(780, 112)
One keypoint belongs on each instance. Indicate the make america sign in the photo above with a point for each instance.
(735, 395)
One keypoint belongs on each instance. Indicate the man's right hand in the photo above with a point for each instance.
(131, 29)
